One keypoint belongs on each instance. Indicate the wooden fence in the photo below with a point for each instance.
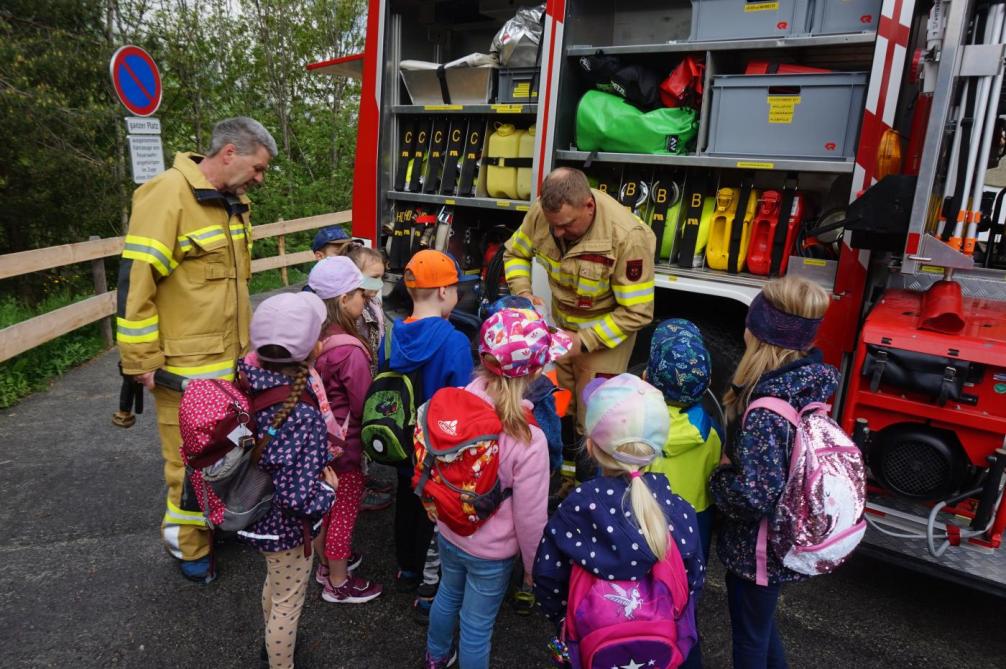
(23, 336)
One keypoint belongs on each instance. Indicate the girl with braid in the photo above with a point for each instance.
(284, 336)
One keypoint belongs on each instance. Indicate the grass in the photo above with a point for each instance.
(33, 370)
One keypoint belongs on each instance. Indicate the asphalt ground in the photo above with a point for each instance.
(84, 581)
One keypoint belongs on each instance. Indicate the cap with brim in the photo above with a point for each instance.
(520, 342)
(330, 235)
(338, 275)
(622, 410)
(290, 320)
(434, 269)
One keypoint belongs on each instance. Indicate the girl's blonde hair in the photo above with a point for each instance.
(360, 254)
(507, 394)
(795, 296)
(338, 316)
(645, 509)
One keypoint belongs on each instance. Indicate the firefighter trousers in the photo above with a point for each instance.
(183, 530)
(575, 373)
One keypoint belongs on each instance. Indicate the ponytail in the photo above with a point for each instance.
(645, 509)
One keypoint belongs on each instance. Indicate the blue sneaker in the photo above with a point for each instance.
(200, 571)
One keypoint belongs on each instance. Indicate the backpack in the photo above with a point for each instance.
(457, 459)
(389, 412)
(217, 423)
(648, 623)
(818, 520)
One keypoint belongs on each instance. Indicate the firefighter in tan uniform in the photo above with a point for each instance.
(599, 260)
(183, 296)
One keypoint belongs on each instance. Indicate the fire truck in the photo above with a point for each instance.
(852, 142)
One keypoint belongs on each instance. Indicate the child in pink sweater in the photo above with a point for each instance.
(514, 345)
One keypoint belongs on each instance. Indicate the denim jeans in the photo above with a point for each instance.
(474, 589)
(756, 642)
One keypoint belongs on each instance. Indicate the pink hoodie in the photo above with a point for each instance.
(517, 524)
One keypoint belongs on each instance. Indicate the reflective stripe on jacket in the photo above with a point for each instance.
(183, 284)
(602, 285)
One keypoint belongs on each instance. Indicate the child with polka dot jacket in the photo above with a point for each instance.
(618, 525)
(284, 334)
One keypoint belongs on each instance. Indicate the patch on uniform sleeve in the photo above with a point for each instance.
(634, 270)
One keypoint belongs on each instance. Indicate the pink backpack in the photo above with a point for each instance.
(818, 520)
(645, 623)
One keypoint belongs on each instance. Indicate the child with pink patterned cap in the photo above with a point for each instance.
(514, 345)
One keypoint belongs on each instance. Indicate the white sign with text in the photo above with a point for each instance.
(147, 155)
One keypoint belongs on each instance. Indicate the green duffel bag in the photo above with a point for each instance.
(606, 122)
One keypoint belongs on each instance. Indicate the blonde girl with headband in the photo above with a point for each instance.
(620, 525)
(779, 362)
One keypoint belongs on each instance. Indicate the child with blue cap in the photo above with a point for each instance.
(680, 369)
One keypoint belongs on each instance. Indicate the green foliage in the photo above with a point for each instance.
(64, 164)
(271, 280)
(34, 369)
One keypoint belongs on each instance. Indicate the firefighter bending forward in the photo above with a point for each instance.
(183, 296)
(599, 260)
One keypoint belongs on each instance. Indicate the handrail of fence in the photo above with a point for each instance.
(26, 335)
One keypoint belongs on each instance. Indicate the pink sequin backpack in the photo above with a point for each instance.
(818, 520)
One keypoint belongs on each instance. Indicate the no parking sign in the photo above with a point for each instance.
(136, 80)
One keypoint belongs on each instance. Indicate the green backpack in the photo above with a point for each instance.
(606, 122)
(389, 412)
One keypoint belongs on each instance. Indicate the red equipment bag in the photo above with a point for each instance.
(683, 87)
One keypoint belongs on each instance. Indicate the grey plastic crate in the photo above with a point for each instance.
(810, 116)
(831, 17)
(518, 84)
(744, 19)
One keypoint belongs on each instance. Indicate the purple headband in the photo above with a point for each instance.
(774, 326)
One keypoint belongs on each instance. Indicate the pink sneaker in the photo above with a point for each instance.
(354, 591)
(321, 573)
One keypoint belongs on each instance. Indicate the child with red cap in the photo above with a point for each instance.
(481, 534)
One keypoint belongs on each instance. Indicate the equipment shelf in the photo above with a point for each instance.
(515, 108)
(700, 160)
(455, 201)
(728, 45)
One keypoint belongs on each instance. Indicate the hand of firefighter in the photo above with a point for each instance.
(575, 348)
(535, 300)
(146, 380)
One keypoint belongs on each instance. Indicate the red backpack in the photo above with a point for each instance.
(457, 459)
(217, 423)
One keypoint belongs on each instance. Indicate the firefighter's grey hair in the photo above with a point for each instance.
(564, 185)
(246, 134)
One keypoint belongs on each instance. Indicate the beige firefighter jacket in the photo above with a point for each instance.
(183, 287)
(602, 285)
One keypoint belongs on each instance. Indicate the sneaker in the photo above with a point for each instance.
(421, 610)
(374, 500)
(377, 485)
(427, 590)
(354, 591)
(430, 663)
(321, 573)
(407, 581)
(523, 601)
(199, 571)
